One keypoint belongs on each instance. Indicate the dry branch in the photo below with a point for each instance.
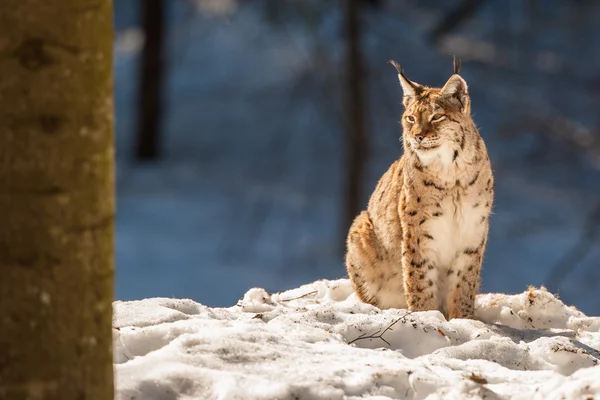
(300, 297)
(378, 335)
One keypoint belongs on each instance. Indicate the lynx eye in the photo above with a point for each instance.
(410, 119)
(438, 117)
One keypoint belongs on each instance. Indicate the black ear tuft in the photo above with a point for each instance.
(397, 66)
(456, 63)
(409, 87)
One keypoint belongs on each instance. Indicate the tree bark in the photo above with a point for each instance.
(56, 199)
(151, 82)
(355, 110)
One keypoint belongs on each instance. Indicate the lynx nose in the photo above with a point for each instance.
(420, 136)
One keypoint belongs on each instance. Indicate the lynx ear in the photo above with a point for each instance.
(456, 89)
(411, 89)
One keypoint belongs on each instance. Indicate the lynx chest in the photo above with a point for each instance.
(458, 223)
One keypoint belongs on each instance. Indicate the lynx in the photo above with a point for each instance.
(420, 243)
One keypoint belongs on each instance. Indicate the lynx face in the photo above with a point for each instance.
(426, 124)
(432, 116)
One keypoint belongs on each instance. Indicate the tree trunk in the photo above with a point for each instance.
(56, 199)
(151, 82)
(355, 110)
(451, 21)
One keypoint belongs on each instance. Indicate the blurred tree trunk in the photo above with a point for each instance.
(56, 199)
(355, 111)
(454, 18)
(151, 82)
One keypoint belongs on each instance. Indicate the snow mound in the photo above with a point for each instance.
(319, 342)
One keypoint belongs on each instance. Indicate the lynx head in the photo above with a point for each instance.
(432, 116)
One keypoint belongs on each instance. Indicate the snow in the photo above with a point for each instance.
(319, 342)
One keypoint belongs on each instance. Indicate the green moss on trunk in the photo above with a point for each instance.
(56, 199)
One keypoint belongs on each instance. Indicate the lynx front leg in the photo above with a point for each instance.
(420, 275)
(464, 282)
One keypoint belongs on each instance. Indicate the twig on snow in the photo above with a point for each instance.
(299, 297)
(378, 335)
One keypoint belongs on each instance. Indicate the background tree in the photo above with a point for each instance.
(356, 124)
(56, 199)
(147, 146)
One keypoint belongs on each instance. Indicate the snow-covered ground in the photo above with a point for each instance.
(319, 342)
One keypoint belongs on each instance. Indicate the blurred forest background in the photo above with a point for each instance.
(249, 133)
